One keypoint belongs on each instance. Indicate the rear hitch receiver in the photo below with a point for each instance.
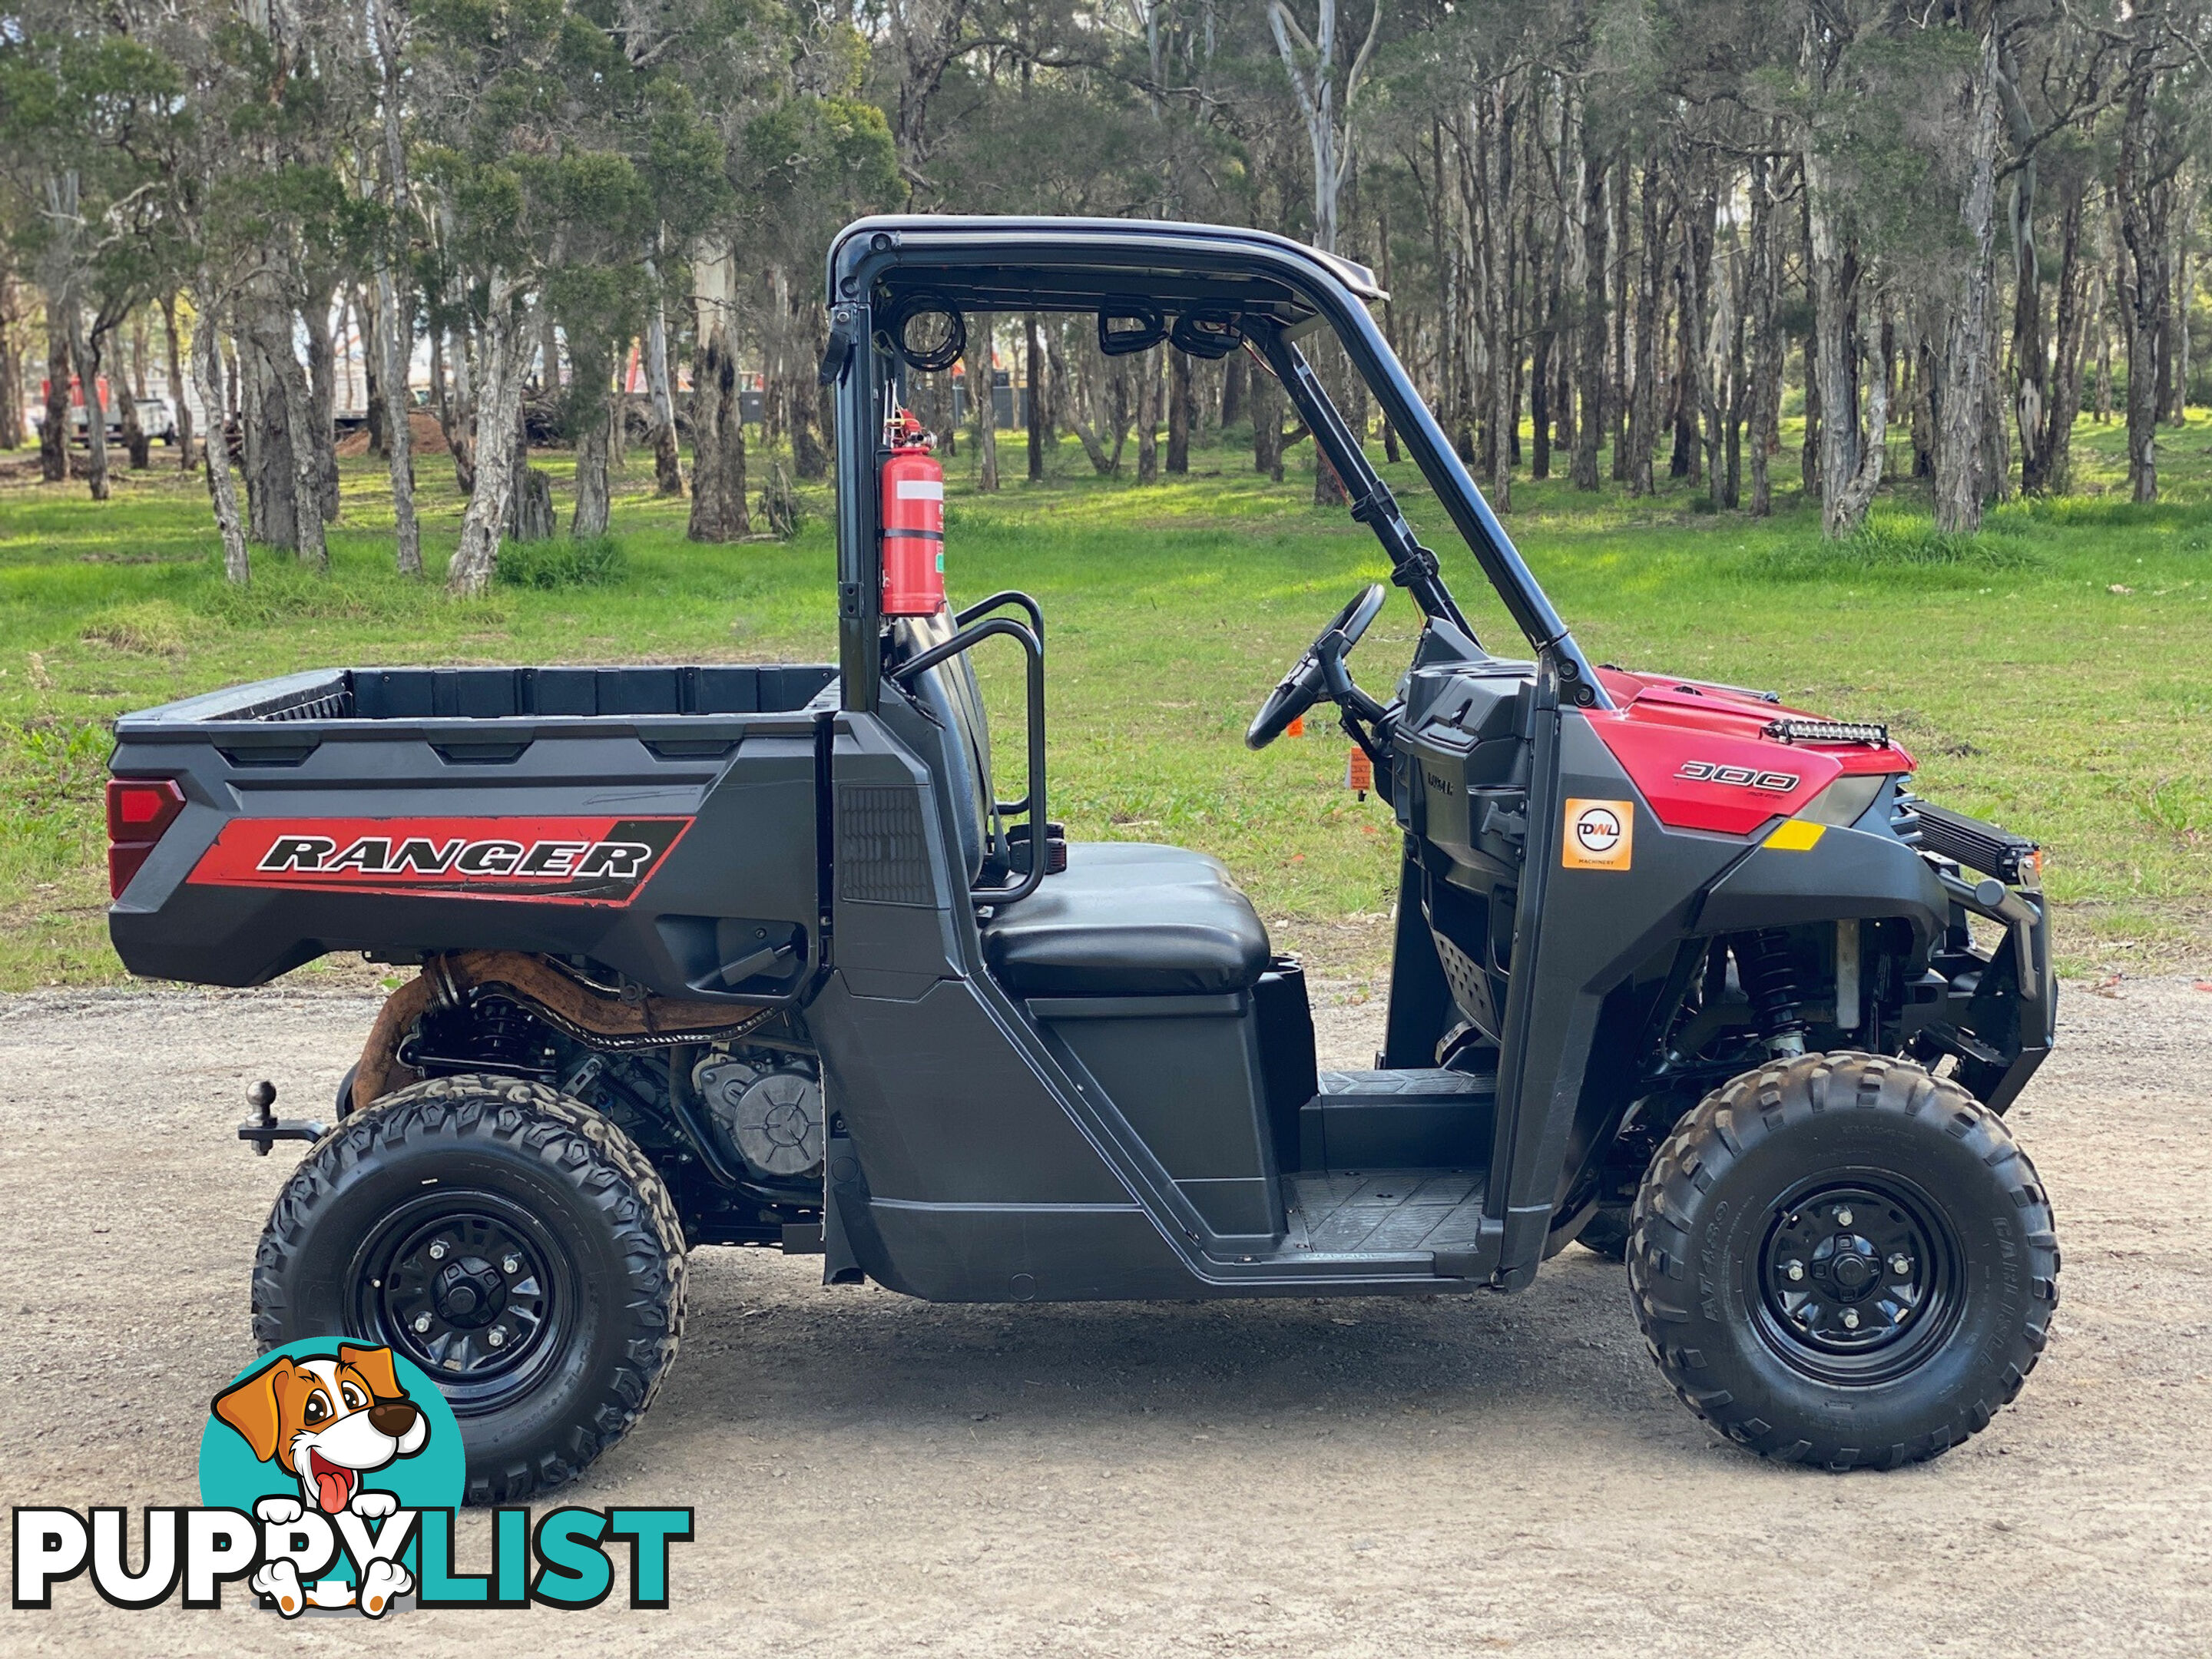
(266, 1127)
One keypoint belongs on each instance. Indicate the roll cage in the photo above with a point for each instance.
(1273, 291)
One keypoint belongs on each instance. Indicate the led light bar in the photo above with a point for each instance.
(1866, 731)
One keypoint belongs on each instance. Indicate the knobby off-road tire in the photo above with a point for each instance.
(510, 1241)
(1737, 1261)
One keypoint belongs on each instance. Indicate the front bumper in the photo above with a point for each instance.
(1995, 1012)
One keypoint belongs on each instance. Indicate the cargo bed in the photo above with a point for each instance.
(299, 809)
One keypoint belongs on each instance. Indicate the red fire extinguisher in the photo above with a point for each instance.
(912, 521)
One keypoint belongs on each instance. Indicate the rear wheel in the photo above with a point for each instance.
(1842, 1260)
(509, 1240)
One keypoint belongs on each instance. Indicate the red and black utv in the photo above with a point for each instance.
(761, 955)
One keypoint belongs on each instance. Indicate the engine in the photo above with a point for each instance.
(766, 1109)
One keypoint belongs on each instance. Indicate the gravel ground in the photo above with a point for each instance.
(1347, 1478)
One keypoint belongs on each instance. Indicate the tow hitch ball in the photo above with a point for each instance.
(266, 1127)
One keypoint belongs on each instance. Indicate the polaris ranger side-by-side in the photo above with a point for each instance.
(780, 956)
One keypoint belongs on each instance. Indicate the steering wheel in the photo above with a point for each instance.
(1317, 673)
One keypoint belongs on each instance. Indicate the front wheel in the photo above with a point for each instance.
(507, 1239)
(1842, 1260)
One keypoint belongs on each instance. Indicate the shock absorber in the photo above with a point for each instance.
(1770, 980)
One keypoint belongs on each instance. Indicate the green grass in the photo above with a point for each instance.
(2054, 673)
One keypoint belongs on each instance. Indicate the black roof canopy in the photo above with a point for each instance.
(975, 264)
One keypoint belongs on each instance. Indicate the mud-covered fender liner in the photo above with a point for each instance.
(560, 998)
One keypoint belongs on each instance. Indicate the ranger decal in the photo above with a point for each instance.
(578, 861)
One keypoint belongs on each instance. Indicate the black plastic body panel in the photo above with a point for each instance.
(745, 780)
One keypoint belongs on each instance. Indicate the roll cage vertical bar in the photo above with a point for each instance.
(849, 368)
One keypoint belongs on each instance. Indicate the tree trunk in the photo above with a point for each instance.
(183, 411)
(368, 325)
(2055, 450)
(399, 440)
(321, 446)
(1590, 325)
(1236, 378)
(2175, 360)
(983, 400)
(1764, 394)
(270, 322)
(454, 390)
(499, 413)
(207, 362)
(1178, 412)
(1085, 433)
(86, 363)
(1267, 400)
(2144, 188)
(1961, 434)
(1147, 368)
(1835, 282)
(1643, 397)
(1617, 393)
(718, 509)
(1708, 320)
(136, 444)
(1033, 344)
(54, 435)
(668, 468)
(11, 363)
(588, 363)
(1845, 504)
(265, 451)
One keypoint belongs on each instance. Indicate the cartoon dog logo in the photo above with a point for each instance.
(327, 1422)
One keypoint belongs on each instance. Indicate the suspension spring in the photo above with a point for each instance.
(1770, 980)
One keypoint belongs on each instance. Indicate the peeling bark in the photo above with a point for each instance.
(718, 510)
(499, 413)
(1961, 432)
(183, 408)
(54, 430)
(207, 365)
(667, 467)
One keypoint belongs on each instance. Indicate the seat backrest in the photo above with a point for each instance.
(949, 696)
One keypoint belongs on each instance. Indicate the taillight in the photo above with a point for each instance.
(139, 813)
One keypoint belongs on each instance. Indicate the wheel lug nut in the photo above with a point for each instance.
(1850, 1319)
(497, 1338)
(1793, 1271)
(438, 1251)
(1844, 1218)
(512, 1264)
(1901, 1266)
(422, 1323)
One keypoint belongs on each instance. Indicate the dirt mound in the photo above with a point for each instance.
(422, 431)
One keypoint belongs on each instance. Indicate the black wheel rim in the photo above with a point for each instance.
(1858, 1278)
(473, 1288)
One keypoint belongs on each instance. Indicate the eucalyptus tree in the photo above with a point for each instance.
(82, 105)
(555, 146)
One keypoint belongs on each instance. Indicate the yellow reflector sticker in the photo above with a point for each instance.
(1797, 836)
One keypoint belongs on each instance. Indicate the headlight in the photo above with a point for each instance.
(1844, 802)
